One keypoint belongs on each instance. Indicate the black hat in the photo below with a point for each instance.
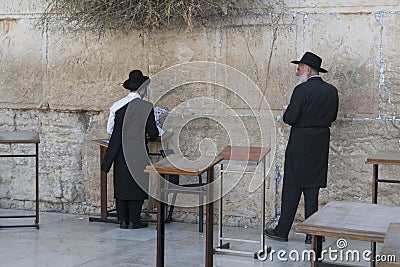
(136, 79)
(311, 60)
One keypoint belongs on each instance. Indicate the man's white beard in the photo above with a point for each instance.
(303, 78)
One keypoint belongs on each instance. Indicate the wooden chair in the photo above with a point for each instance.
(191, 188)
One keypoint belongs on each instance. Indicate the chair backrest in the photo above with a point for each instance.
(170, 177)
(175, 178)
(166, 152)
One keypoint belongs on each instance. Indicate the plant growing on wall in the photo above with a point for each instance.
(125, 15)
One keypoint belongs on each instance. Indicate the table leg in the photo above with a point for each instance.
(373, 256)
(220, 208)
(162, 198)
(316, 246)
(103, 187)
(160, 233)
(201, 207)
(209, 219)
(375, 184)
(37, 184)
(263, 208)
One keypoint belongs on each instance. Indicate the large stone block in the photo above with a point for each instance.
(348, 45)
(342, 6)
(194, 134)
(22, 67)
(390, 58)
(352, 141)
(22, 7)
(86, 70)
(253, 50)
(65, 175)
(166, 50)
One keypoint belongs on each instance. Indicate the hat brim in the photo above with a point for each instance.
(308, 64)
(128, 84)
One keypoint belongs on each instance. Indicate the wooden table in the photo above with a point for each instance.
(248, 156)
(387, 157)
(103, 144)
(350, 220)
(390, 157)
(23, 138)
(177, 164)
(391, 247)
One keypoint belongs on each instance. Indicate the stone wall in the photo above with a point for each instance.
(61, 83)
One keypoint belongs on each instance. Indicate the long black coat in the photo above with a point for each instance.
(313, 107)
(130, 180)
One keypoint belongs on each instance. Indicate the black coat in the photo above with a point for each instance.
(130, 180)
(313, 107)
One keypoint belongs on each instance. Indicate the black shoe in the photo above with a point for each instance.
(123, 225)
(271, 234)
(308, 239)
(137, 225)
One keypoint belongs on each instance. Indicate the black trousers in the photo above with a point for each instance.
(129, 210)
(290, 201)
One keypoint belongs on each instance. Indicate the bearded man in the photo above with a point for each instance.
(313, 107)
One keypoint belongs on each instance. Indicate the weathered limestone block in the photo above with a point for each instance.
(209, 135)
(21, 70)
(351, 143)
(85, 71)
(91, 162)
(248, 49)
(166, 50)
(66, 178)
(242, 203)
(390, 57)
(342, 5)
(227, 100)
(21, 7)
(7, 120)
(354, 67)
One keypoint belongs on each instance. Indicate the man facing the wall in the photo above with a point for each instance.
(313, 107)
(130, 120)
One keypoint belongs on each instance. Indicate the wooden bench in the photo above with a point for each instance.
(349, 220)
(391, 247)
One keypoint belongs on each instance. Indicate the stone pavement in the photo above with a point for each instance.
(66, 240)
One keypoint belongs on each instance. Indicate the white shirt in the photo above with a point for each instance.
(116, 106)
(316, 75)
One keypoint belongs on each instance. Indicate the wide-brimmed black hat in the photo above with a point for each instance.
(311, 60)
(136, 79)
